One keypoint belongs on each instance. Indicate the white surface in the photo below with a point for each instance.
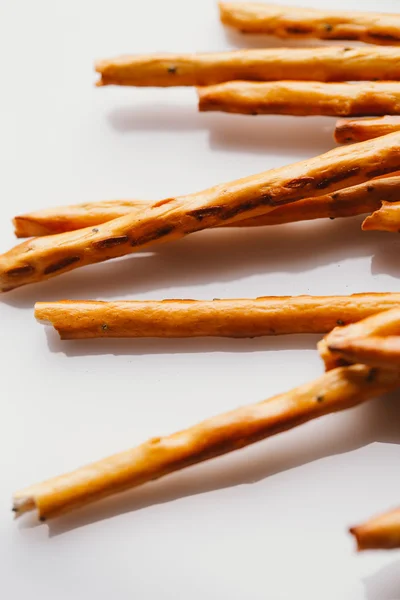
(268, 522)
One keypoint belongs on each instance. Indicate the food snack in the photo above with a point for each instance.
(273, 315)
(359, 130)
(337, 390)
(302, 98)
(386, 218)
(379, 533)
(374, 351)
(295, 22)
(267, 64)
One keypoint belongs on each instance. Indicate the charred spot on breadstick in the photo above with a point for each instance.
(387, 37)
(20, 271)
(201, 213)
(61, 264)
(111, 242)
(154, 235)
(300, 182)
(297, 30)
(340, 176)
(372, 373)
(383, 171)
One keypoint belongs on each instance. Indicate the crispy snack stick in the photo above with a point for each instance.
(41, 258)
(271, 315)
(302, 98)
(355, 200)
(380, 324)
(359, 130)
(379, 533)
(374, 351)
(386, 218)
(295, 22)
(337, 390)
(270, 64)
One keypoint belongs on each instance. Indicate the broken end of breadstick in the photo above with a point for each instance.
(23, 504)
(386, 218)
(379, 533)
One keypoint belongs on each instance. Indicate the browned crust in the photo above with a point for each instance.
(374, 351)
(386, 218)
(252, 317)
(270, 64)
(176, 217)
(379, 533)
(302, 98)
(337, 390)
(359, 130)
(300, 23)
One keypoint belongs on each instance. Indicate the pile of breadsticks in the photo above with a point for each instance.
(361, 350)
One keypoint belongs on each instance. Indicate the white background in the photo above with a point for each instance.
(268, 522)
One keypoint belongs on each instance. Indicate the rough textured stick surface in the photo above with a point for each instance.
(38, 259)
(355, 200)
(379, 533)
(374, 351)
(302, 98)
(359, 130)
(337, 390)
(386, 218)
(296, 22)
(271, 315)
(271, 64)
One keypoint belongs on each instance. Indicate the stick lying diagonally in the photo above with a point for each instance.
(356, 200)
(302, 98)
(337, 390)
(374, 351)
(170, 219)
(359, 130)
(272, 315)
(295, 22)
(379, 533)
(270, 64)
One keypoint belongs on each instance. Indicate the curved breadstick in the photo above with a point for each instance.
(302, 98)
(272, 315)
(386, 218)
(295, 22)
(374, 351)
(379, 533)
(337, 390)
(355, 200)
(359, 130)
(170, 219)
(380, 324)
(271, 64)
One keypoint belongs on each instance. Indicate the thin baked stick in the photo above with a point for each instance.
(381, 324)
(379, 533)
(374, 351)
(337, 390)
(356, 200)
(41, 258)
(359, 130)
(270, 64)
(302, 98)
(300, 23)
(272, 315)
(386, 218)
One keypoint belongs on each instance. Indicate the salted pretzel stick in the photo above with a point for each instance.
(270, 64)
(386, 218)
(271, 315)
(295, 22)
(379, 533)
(355, 200)
(359, 130)
(302, 98)
(337, 390)
(384, 323)
(374, 351)
(41, 258)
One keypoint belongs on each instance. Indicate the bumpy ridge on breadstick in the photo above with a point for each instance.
(386, 218)
(374, 351)
(295, 22)
(301, 98)
(359, 130)
(337, 390)
(355, 200)
(379, 533)
(270, 64)
(271, 315)
(41, 258)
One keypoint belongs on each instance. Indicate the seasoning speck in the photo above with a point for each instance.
(172, 70)
(104, 327)
(320, 398)
(372, 375)
(95, 230)
(328, 27)
(340, 322)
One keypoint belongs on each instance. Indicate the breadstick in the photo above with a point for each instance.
(374, 351)
(271, 64)
(380, 324)
(359, 130)
(302, 98)
(386, 218)
(300, 23)
(41, 258)
(271, 315)
(379, 533)
(355, 200)
(337, 390)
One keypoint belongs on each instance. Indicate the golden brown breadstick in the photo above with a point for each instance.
(379, 533)
(302, 98)
(269, 64)
(295, 22)
(386, 218)
(271, 315)
(359, 130)
(380, 324)
(374, 351)
(337, 390)
(348, 202)
(41, 258)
